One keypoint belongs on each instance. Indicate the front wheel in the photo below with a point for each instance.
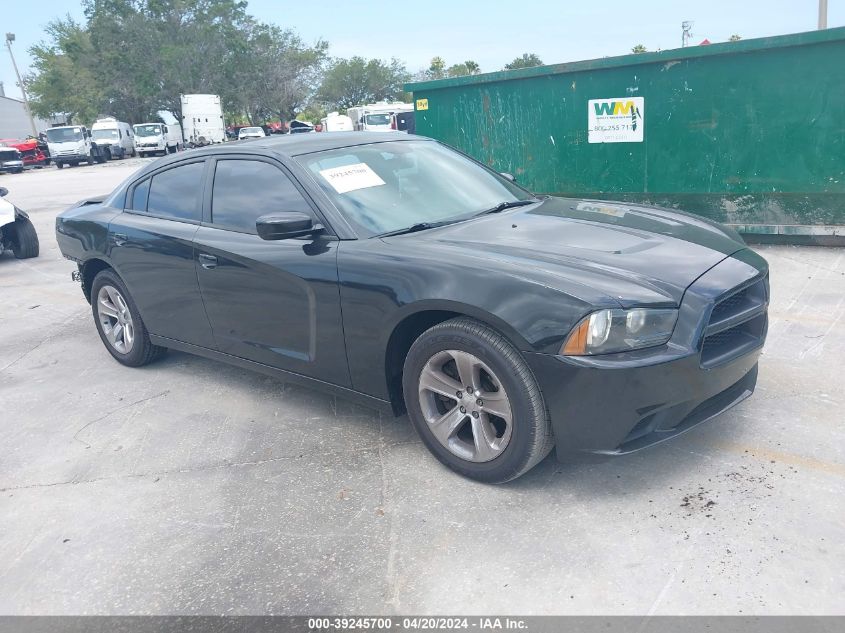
(474, 401)
(24, 239)
(119, 323)
(60, 165)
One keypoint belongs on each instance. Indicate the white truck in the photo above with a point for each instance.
(335, 122)
(72, 144)
(116, 136)
(375, 117)
(155, 138)
(202, 119)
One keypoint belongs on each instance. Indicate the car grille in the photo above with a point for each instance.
(737, 323)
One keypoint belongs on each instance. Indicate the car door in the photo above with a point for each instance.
(273, 302)
(151, 248)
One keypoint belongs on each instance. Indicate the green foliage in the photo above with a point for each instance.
(133, 58)
(356, 81)
(64, 76)
(639, 48)
(527, 60)
(469, 67)
(734, 38)
(437, 69)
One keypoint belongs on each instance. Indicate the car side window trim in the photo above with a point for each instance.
(211, 170)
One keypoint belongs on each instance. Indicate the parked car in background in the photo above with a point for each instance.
(202, 119)
(11, 160)
(16, 230)
(299, 127)
(251, 132)
(335, 122)
(157, 138)
(116, 135)
(72, 144)
(404, 122)
(399, 272)
(33, 151)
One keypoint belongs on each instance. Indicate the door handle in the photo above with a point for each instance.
(208, 261)
(119, 239)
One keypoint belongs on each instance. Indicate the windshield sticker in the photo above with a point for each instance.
(351, 177)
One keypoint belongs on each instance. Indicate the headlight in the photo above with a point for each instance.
(609, 331)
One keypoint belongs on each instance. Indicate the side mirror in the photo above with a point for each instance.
(3, 192)
(285, 225)
(508, 176)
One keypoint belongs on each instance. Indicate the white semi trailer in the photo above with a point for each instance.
(202, 119)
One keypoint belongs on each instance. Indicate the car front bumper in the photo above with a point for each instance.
(620, 403)
(11, 165)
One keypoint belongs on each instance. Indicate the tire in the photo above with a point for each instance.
(24, 239)
(92, 160)
(140, 350)
(60, 165)
(474, 441)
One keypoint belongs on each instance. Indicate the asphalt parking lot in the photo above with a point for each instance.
(193, 487)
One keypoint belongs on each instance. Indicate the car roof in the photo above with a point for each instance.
(287, 145)
(296, 144)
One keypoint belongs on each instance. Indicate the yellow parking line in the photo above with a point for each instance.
(783, 458)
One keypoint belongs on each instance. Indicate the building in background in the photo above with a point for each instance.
(14, 122)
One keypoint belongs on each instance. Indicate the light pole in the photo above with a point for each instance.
(822, 14)
(10, 37)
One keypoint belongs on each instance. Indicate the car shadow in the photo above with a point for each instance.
(586, 476)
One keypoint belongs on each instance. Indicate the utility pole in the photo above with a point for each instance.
(822, 14)
(686, 25)
(10, 37)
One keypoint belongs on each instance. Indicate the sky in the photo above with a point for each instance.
(491, 32)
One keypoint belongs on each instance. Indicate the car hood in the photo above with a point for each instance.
(630, 254)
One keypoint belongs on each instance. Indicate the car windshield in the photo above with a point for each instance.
(377, 119)
(64, 134)
(147, 130)
(383, 187)
(9, 154)
(104, 135)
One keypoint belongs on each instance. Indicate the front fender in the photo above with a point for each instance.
(379, 289)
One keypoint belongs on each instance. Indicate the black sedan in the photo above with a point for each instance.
(392, 269)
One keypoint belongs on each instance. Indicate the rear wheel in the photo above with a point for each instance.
(24, 239)
(119, 323)
(60, 165)
(475, 402)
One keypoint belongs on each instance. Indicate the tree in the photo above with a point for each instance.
(278, 73)
(354, 81)
(469, 67)
(437, 69)
(527, 60)
(64, 80)
(734, 38)
(133, 58)
(639, 48)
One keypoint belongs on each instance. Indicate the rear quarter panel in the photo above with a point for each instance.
(82, 231)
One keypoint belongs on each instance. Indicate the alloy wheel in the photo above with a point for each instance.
(465, 406)
(115, 319)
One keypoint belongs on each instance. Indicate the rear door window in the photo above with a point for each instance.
(177, 193)
(139, 196)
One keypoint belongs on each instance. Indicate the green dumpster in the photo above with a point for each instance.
(750, 133)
